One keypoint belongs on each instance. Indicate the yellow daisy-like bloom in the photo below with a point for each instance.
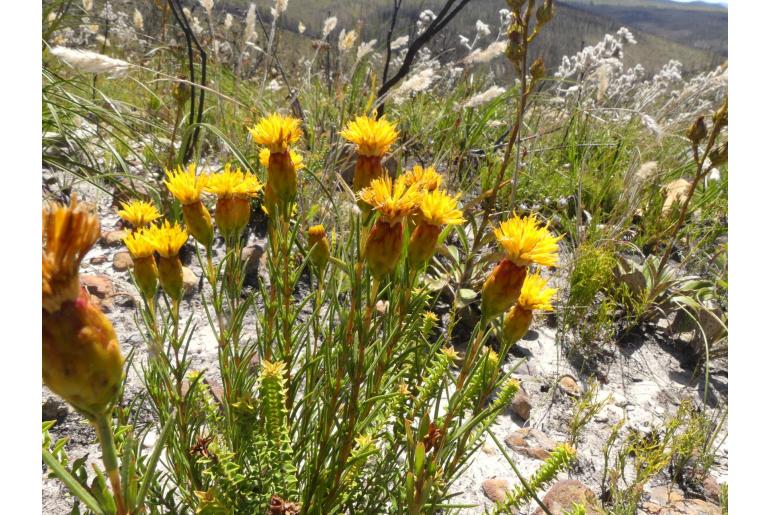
(393, 200)
(138, 213)
(535, 293)
(143, 256)
(526, 242)
(372, 137)
(138, 245)
(436, 208)
(185, 185)
(277, 132)
(428, 178)
(69, 232)
(166, 239)
(82, 362)
(439, 208)
(296, 159)
(231, 183)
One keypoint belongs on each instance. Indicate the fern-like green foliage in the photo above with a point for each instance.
(278, 460)
(559, 460)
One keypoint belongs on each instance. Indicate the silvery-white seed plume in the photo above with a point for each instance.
(483, 97)
(399, 42)
(713, 176)
(346, 40)
(281, 6)
(273, 85)
(647, 171)
(187, 13)
(208, 5)
(138, 20)
(91, 62)
(649, 122)
(604, 81)
(88, 5)
(365, 49)
(329, 25)
(196, 26)
(52, 17)
(482, 28)
(419, 81)
(494, 50)
(228, 21)
(251, 20)
(301, 28)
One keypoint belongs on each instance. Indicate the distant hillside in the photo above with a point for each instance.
(700, 26)
(662, 35)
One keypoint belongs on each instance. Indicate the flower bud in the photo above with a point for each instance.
(282, 177)
(146, 275)
(198, 221)
(422, 243)
(697, 131)
(720, 117)
(383, 247)
(545, 12)
(319, 246)
(502, 288)
(82, 362)
(232, 216)
(516, 323)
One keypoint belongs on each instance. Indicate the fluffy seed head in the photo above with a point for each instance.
(373, 137)
(526, 242)
(276, 132)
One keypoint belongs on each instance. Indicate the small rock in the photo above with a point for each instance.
(149, 439)
(55, 409)
(122, 261)
(113, 238)
(711, 489)
(190, 281)
(254, 258)
(563, 494)
(569, 386)
(495, 489)
(530, 442)
(98, 260)
(521, 404)
(99, 285)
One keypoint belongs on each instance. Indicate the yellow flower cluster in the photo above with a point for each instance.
(510, 286)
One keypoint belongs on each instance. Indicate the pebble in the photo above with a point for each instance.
(113, 238)
(122, 261)
(521, 404)
(569, 386)
(495, 489)
(190, 281)
(562, 494)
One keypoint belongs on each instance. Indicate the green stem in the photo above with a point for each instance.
(103, 428)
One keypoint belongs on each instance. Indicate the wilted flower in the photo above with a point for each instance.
(82, 362)
(346, 40)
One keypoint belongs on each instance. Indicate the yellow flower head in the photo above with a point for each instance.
(166, 239)
(438, 208)
(69, 232)
(138, 245)
(276, 132)
(138, 213)
(428, 177)
(535, 294)
(392, 200)
(526, 242)
(231, 183)
(296, 159)
(185, 185)
(373, 137)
